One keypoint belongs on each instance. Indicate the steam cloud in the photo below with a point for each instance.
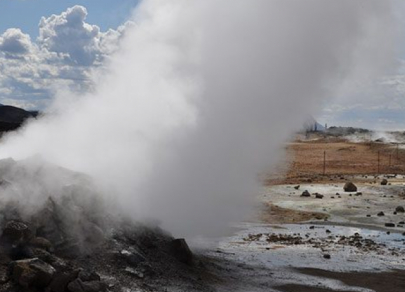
(200, 98)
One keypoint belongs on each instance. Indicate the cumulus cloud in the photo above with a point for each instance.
(68, 33)
(14, 41)
(64, 56)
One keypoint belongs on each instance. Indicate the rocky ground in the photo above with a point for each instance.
(319, 242)
(318, 232)
(72, 242)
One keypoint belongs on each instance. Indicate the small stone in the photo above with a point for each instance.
(380, 214)
(350, 187)
(368, 215)
(312, 227)
(318, 196)
(297, 187)
(384, 182)
(327, 256)
(305, 194)
(389, 225)
(400, 209)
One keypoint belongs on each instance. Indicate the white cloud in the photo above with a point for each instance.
(14, 41)
(68, 33)
(64, 55)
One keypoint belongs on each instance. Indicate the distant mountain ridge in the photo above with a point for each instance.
(11, 117)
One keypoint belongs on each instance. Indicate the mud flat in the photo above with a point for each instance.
(337, 243)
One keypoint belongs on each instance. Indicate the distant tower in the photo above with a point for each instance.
(326, 126)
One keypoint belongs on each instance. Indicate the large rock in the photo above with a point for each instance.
(350, 187)
(32, 273)
(61, 281)
(180, 250)
(384, 182)
(42, 243)
(15, 232)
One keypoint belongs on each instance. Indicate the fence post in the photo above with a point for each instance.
(397, 151)
(324, 163)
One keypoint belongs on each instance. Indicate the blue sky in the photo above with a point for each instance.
(25, 14)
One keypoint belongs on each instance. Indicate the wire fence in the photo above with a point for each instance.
(347, 158)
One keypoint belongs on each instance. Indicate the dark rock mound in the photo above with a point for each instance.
(69, 241)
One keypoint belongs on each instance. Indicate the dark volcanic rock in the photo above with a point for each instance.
(4, 275)
(61, 281)
(305, 194)
(87, 276)
(180, 250)
(42, 243)
(15, 231)
(318, 196)
(32, 273)
(91, 286)
(380, 214)
(400, 209)
(384, 182)
(389, 225)
(350, 187)
(132, 258)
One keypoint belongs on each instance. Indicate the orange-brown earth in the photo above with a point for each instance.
(326, 160)
(277, 215)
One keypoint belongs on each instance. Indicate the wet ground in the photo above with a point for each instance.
(349, 248)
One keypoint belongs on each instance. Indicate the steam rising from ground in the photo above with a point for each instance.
(200, 98)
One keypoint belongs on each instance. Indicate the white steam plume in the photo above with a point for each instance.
(202, 95)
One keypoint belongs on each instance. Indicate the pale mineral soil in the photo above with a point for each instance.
(337, 243)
